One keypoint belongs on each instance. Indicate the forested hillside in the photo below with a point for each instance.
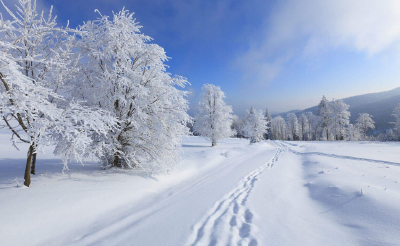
(380, 105)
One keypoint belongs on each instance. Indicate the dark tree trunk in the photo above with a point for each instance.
(27, 176)
(116, 160)
(33, 168)
(213, 144)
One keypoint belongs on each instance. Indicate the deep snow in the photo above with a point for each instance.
(271, 193)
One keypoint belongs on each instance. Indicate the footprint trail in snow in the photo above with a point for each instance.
(230, 221)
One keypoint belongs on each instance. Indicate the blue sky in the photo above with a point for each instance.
(282, 55)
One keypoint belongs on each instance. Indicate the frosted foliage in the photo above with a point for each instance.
(279, 128)
(124, 74)
(236, 125)
(269, 121)
(353, 133)
(255, 125)
(364, 122)
(314, 124)
(396, 114)
(340, 114)
(325, 116)
(292, 125)
(36, 64)
(304, 127)
(214, 119)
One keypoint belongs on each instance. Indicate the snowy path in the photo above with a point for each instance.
(229, 195)
(229, 223)
(168, 218)
(286, 147)
(313, 197)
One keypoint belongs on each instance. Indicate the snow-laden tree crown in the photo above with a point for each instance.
(255, 125)
(100, 89)
(214, 119)
(124, 74)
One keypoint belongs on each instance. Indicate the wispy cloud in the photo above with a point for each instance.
(313, 27)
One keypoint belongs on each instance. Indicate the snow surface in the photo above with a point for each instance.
(269, 193)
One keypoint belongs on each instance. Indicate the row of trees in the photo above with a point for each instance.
(331, 123)
(215, 120)
(391, 135)
(101, 88)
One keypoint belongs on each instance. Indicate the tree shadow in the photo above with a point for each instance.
(11, 169)
(195, 146)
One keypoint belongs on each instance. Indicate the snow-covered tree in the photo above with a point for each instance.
(292, 126)
(304, 127)
(268, 117)
(353, 132)
(339, 115)
(364, 121)
(123, 73)
(325, 116)
(215, 117)
(36, 63)
(278, 128)
(313, 125)
(396, 114)
(237, 126)
(255, 125)
(390, 136)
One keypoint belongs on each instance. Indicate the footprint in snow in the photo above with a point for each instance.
(231, 216)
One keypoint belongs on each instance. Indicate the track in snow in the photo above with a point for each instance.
(284, 146)
(230, 221)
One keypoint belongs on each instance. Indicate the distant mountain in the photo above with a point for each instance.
(380, 105)
(296, 111)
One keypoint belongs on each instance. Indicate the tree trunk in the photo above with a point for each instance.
(33, 168)
(27, 176)
(116, 160)
(213, 144)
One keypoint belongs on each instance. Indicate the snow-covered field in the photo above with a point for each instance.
(271, 193)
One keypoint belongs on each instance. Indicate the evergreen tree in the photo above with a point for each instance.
(268, 117)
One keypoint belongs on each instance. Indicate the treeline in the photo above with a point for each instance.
(331, 123)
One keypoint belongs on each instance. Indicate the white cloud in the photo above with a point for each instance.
(367, 25)
(315, 26)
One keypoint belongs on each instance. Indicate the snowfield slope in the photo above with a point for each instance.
(271, 193)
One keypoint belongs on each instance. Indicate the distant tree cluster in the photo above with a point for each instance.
(331, 123)
(215, 120)
(391, 135)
